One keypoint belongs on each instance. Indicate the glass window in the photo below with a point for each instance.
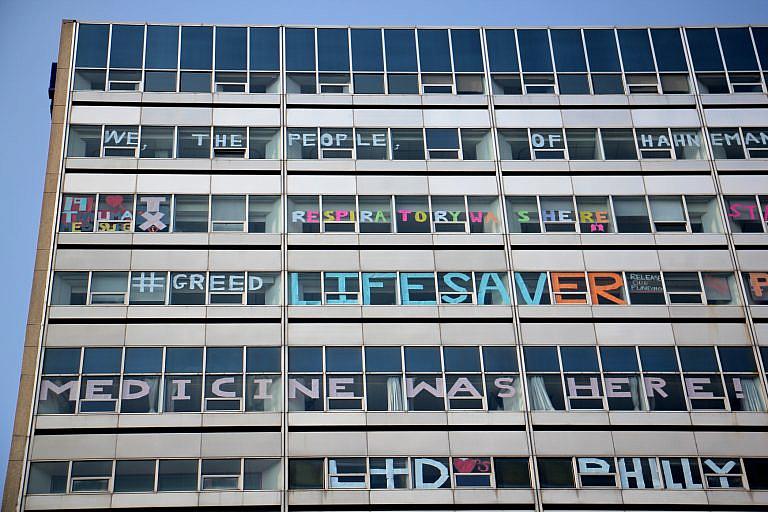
(114, 212)
(153, 213)
(636, 50)
(91, 475)
(744, 214)
(162, 47)
(756, 140)
(305, 473)
(227, 213)
(188, 288)
(618, 144)
(375, 214)
(339, 214)
(261, 474)
(467, 52)
(514, 144)
(720, 288)
(442, 143)
(263, 214)
(196, 47)
(264, 143)
(371, 143)
(265, 48)
(668, 48)
(231, 48)
(77, 213)
(484, 214)
(148, 288)
(512, 473)
(160, 81)
(332, 49)
(412, 214)
(92, 46)
(568, 50)
(607, 84)
(194, 142)
(594, 214)
(705, 52)
(190, 213)
(300, 49)
(704, 214)
(302, 143)
(84, 141)
(434, 51)
(534, 50)
(548, 144)
(602, 51)
(737, 49)
(389, 473)
(583, 144)
(400, 47)
(69, 289)
(156, 142)
(683, 287)
(108, 287)
(407, 144)
(367, 50)
(47, 477)
(368, 83)
(127, 46)
(668, 213)
(303, 214)
(134, 476)
(645, 288)
(631, 214)
(502, 50)
(555, 472)
(523, 214)
(687, 143)
(177, 475)
(402, 84)
(557, 214)
(220, 474)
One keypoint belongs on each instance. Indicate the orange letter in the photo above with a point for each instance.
(557, 286)
(597, 290)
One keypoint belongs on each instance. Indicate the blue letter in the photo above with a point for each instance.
(295, 300)
(341, 279)
(368, 284)
(448, 279)
(523, 289)
(406, 287)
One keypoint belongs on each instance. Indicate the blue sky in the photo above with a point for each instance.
(29, 32)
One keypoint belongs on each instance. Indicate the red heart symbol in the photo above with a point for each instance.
(114, 201)
(464, 465)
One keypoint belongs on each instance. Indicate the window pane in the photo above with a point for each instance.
(263, 214)
(191, 214)
(534, 50)
(704, 214)
(512, 473)
(367, 51)
(228, 213)
(568, 50)
(127, 46)
(602, 51)
(422, 359)
(705, 52)
(196, 47)
(305, 359)
(305, 473)
(461, 359)
(502, 50)
(332, 49)
(92, 46)
(47, 478)
(230, 48)
(69, 289)
(636, 51)
(541, 359)
(555, 472)
(619, 359)
(583, 144)
(407, 144)
(618, 144)
(343, 359)
(162, 47)
(300, 49)
(400, 47)
(514, 144)
(177, 475)
(156, 141)
(143, 360)
(102, 360)
(84, 141)
(194, 142)
(658, 359)
(160, 81)
(434, 52)
(134, 476)
(262, 359)
(264, 143)
(668, 48)
(261, 474)
(467, 53)
(60, 361)
(265, 48)
(183, 360)
(737, 49)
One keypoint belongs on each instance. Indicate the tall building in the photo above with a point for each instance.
(401, 269)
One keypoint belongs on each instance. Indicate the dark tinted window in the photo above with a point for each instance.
(262, 359)
(534, 50)
(224, 359)
(668, 48)
(367, 50)
(619, 359)
(102, 360)
(305, 474)
(305, 359)
(658, 359)
(502, 50)
(636, 50)
(61, 360)
(704, 51)
(265, 49)
(761, 42)
(541, 359)
(737, 359)
(512, 472)
(579, 359)
(602, 51)
(92, 46)
(467, 54)
(568, 50)
(343, 359)
(737, 49)
(461, 359)
(332, 49)
(143, 360)
(757, 473)
(383, 359)
(555, 472)
(698, 359)
(300, 49)
(231, 48)
(500, 359)
(196, 47)
(182, 360)
(434, 52)
(422, 359)
(400, 46)
(162, 47)
(127, 46)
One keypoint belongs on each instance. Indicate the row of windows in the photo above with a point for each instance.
(141, 288)
(182, 213)
(165, 475)
(414, 143)
(166, 58)
(399, 379)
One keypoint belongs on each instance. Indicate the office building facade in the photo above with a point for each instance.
(333, 268)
